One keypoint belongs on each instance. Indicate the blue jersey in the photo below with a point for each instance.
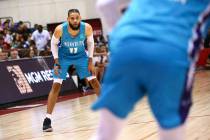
(169, 22)
(72, 47)
(149, 51)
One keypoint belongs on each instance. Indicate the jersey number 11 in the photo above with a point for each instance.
(73, 50)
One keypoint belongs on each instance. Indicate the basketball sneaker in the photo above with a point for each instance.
(47, 125)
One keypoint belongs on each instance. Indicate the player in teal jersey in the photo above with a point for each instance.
(153, 51)
(71, 51)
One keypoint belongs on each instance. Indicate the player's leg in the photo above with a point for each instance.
(106, 131)
(172, 134)
(53, 95)
(120, 91)
(82, 70)
(82, 83)
(171, 101)
(52, 98)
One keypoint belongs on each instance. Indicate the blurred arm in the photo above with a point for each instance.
(54, 42)
(110, 11)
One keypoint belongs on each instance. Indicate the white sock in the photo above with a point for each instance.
(177, 133)
(49, 116)
(109, 126)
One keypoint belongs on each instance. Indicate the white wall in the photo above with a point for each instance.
(45, 11)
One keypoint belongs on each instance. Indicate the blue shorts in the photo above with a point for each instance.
(81, 66)
(138, 68)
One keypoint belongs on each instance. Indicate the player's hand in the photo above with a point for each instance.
(57, 67)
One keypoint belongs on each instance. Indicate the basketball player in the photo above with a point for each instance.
(153, 51)
(72, 35)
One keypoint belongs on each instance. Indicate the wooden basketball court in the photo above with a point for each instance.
(73, 119)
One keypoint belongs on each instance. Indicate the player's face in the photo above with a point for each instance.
(74, 20)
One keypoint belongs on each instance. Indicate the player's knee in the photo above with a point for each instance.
(60, 81)
(56, 87)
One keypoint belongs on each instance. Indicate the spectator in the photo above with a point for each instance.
(100, 61)
(15, 41)
(34, 28)
(100, 41)
(14, 54)
(6, 24)
(31, 53)
(3, 56)
(3, 45)
(17, 27)
(41, 39)
(8, 37)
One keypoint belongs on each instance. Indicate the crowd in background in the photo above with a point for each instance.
(17, 41)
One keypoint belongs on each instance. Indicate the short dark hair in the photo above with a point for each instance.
(40, 26)
(73, 11)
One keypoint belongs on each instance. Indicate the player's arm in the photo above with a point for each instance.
(54, 43)
(111, 10)
(54, 47)
(90, 46)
